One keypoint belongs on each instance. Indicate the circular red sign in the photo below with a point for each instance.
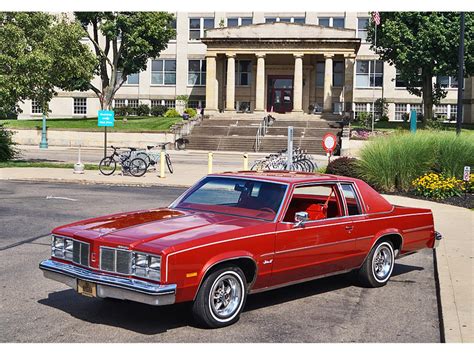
(329, 142)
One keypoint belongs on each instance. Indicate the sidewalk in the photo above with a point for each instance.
(455, 255)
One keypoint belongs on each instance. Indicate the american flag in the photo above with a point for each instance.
(376, 17)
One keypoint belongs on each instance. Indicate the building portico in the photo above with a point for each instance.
(281, 67)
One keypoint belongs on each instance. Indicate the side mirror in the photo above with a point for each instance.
(300, 218)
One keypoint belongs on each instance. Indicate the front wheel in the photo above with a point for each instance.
(168, 163)
(221, 298)
(137, 167)
(107, 166)
(378, 265)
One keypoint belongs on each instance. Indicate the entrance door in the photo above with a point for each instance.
(280, 94)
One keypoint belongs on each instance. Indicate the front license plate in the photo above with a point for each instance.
(87, 288)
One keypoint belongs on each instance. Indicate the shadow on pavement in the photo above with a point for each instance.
(151, 320)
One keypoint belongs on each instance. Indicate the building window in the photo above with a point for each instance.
(243, 71)
(198, 25)
(242, 106)
(163, 72)
(362, 23)
(35, 107)
(418, 108)
(400, 111)
(338, 73)
(367, 75)
(197, 72)
(399, 82)
(196, 104)
(166, 103)
(336, 22)
(320, 74)
(238, 21)
(285, 19)
(361, 107)
(118, 103)
(449, 82)
(453, 114)
(441, 112)
(132, 103)
(133, 79)
(173, 26)
(80, 106)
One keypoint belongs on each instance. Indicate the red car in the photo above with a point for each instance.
(233, 234)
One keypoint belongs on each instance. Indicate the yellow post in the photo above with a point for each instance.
(209, 163)
(246, 161)
(162, 164)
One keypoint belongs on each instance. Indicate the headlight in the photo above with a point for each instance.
(61, 247)
(146, 266)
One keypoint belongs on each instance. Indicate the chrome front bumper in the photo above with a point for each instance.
(437, 240)
(110, 286)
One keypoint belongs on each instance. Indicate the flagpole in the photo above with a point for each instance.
(373, 76)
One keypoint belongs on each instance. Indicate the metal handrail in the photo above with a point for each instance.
(261, 131)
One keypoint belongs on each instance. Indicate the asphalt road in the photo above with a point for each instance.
(35, 309)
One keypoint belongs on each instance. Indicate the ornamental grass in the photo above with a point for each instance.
(392, 163)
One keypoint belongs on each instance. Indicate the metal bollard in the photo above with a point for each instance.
(162, 164)
(209, 163)
(246, 161)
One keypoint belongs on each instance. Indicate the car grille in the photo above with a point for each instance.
(115, 260)
(80, 253)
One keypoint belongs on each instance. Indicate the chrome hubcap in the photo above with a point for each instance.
(382, 262)
(226, 294)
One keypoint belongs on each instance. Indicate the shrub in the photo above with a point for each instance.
(191, 112)
(365, 118)
(343, 166)
(7, 146)
(143, 110)
(392, 163)
(158, 111)
(120, 111)
(437, 186)
(172, 113)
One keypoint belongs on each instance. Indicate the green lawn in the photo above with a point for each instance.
(30, 164)
(467, 128)
(134, 124)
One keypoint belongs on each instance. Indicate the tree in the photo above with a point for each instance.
(40, 53)
(422, 45)
(123, 42)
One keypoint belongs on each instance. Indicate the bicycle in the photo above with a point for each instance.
(128, 161)
(151, 158)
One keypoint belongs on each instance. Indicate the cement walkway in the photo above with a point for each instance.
(455, 256)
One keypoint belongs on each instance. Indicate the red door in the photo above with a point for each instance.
(319, 247)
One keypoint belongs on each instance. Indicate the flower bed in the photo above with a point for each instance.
(364, 134)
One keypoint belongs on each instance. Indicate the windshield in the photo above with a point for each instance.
(234, 196)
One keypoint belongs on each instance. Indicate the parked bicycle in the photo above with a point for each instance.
(128, 161)
(301, 161)
(152, 157)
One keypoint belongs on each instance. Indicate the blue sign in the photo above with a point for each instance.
(105, 118)
(413, 121)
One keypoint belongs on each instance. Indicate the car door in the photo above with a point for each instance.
(320, 246)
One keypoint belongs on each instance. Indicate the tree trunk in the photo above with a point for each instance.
(427, 95)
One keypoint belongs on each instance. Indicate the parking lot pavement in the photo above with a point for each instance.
(35, 309)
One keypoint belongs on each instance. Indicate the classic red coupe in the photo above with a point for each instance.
(233, 234)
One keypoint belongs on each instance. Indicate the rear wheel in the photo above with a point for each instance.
(221, 298)
(378, 266)
(137, 167)
(168, 163)
(107, 166)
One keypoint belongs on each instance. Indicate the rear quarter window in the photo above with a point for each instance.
(353, 204)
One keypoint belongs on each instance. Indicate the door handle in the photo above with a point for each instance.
(349, 228)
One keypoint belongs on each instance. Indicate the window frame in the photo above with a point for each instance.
(163, 72)
(201, 73)
(74, 106)
(238, 73)
(291, 18)
(364, 30)
(202, 28)
(35, 106)
(356, 196)
(341, 73)
(369, 74)
(239, 20)
(331, 19)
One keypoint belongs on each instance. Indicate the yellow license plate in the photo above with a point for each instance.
(87, 288)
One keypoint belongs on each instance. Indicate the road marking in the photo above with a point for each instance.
(60, 198)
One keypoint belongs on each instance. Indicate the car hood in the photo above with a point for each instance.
(164, 227)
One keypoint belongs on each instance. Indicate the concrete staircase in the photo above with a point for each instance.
(237, 132)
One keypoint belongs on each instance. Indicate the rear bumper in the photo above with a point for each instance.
(110, 286)
(437, 239)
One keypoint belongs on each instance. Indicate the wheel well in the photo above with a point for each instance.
(395, 239)
(247, 265)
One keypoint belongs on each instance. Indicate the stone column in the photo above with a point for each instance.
(327, 95)
(211, 84)
(260, 89)
(298, 84)
(348, 81)
(230, 88)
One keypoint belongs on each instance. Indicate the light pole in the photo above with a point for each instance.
(460, 74)
(44, 139)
